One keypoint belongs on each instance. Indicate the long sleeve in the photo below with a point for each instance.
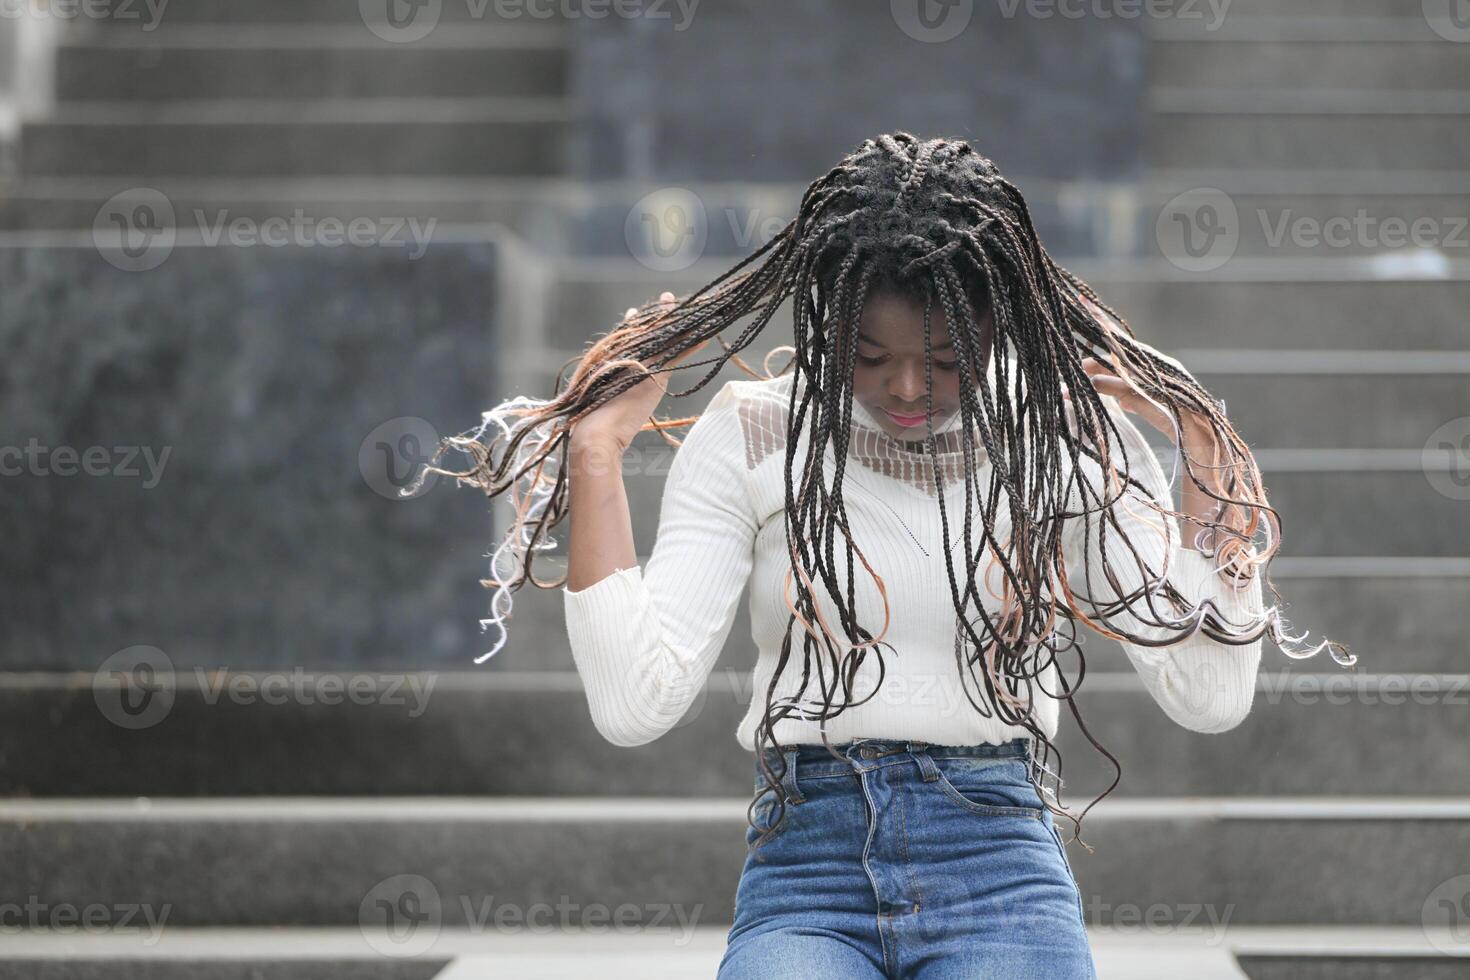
(645, 641)
(1202, 684)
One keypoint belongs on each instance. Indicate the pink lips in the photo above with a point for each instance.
(907, 421)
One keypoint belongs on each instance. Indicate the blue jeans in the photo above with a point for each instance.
(907, 860)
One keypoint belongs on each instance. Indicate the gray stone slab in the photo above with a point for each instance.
(1050, 96)
(1346, 141)
(139, 73)
(264, 373)
(1320, 732)
(304, 863)
(1206, 64)
(248, 149)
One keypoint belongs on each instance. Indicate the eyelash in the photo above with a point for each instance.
(875, 361)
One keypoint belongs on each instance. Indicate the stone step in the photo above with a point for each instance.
(1401, 137)
(561, 217)
(1320, 8)
(1314, 729)
(168, 74)
(1260, 22)
(1124, 952)
(311, 862)
(357, 137)
(221, 963)
(1209, 63)
(223, 13)
(1266, 304)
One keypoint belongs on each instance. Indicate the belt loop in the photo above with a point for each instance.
(927, 768)
(788, 782)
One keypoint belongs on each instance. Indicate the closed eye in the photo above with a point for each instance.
(876, 361)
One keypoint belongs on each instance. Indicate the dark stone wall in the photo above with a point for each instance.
(781, 89)
(268, 535)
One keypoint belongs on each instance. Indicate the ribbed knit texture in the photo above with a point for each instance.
(646, 639)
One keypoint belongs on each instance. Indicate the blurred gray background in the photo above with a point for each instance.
(256, 256)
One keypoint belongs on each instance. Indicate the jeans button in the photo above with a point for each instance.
(867, 753)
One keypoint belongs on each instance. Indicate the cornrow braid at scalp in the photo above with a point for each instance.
(936, 221)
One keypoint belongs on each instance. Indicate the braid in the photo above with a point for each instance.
(935, 221)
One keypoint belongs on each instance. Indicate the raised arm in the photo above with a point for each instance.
(645, 640)
(1202, 684)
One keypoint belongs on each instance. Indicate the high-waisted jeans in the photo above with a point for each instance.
(907, 860)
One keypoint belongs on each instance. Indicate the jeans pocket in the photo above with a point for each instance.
(990, 787)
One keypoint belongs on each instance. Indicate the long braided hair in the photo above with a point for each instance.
(931, 219)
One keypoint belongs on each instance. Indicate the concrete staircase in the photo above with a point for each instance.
(1325, 837)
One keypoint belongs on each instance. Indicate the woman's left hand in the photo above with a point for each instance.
(1107, 382)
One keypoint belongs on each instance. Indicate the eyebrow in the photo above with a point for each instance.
(944, 346)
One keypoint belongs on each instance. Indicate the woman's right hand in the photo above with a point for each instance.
(620, 419)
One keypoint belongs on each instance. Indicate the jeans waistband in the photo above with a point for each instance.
(815, 759)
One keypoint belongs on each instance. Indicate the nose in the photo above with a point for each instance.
(907, 384)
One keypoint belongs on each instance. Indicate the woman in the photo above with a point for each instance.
(975, 395)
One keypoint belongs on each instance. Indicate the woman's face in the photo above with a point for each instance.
(888, 379)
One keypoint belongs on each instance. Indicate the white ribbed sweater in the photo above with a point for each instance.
(646, 639)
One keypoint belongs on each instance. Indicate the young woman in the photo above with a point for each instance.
(976, 397)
